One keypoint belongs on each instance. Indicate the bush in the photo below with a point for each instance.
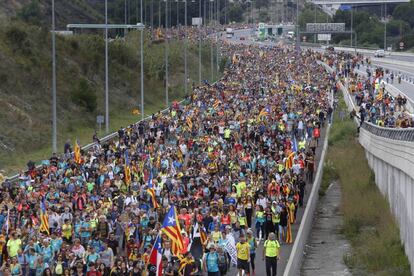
(84, 95)
(330, 174)
(31, 12)
(16, 36)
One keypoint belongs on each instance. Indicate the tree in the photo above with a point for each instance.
(235, 13)
(405, 12)
(307, 15)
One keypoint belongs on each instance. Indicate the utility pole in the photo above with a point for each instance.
(54, 116)
(106, 70)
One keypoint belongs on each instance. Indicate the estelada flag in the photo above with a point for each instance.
(171, 227)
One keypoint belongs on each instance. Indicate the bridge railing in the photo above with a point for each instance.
(401, 134)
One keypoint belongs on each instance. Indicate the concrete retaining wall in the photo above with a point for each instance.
(393, 164)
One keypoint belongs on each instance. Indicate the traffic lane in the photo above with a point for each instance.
(285, 248)
(391, 57)
(396, 68)
(405, 87)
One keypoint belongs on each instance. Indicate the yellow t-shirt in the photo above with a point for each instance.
(67, 231)
(243, 251)
(13, 246)
(240, 187)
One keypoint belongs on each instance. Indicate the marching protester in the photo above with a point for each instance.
(191, 190)
(271, 254)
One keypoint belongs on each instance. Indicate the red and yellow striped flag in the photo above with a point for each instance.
(77, 153)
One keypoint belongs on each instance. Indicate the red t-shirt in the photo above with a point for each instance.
(93, 273)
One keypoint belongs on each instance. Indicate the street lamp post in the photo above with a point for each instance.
(297, 26)
(54, 119)
(385, 26)
(106, 70)
(211, 44)
(199, 41)
(352, 24)
(217, 35)
(142, 66)
(185, 48)
(166, 54)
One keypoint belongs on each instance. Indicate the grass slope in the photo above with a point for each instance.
(25, 90)
(368, 222)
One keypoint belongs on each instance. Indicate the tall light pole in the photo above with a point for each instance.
(142, 66)
(106, 70)
(210, 9)
(125, 12)
(385, 26)
(217, 33)
(297, 26)
(352, 25)
(166, 54)
(199, 41)
(54, 119)
(185, 48)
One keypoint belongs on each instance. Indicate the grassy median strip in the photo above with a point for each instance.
(368, 223)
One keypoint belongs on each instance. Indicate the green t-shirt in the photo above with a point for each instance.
(13, 246)
(90, 186)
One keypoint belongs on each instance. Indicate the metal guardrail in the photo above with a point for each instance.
(400, 134)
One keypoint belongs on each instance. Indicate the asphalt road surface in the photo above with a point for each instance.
(285, 248)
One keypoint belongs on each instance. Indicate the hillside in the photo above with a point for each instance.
(39, 11)
(25, 86)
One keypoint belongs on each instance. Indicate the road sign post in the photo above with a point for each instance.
(100, 119)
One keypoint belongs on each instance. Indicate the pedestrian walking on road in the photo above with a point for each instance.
(253, 245)
(243, 256)
(271, 251)
(211, 262)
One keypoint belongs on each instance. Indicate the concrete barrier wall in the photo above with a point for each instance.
(295, 259)
(393, 164)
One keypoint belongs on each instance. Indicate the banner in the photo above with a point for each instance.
(231, 249)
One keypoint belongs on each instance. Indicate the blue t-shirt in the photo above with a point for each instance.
(85, 234)
(212, 262)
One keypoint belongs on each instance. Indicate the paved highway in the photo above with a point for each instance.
(285, 248)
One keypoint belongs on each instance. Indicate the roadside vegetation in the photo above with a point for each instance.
(367, 220)
(25, 86)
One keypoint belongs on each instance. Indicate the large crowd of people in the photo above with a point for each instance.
(234, 158)
(375, 104)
